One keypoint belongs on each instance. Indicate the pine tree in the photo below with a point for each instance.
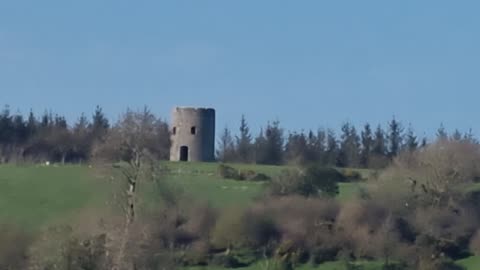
(316, 146)
(457, 135)
(424, 142)
(20, 131)
(82, 142)
(367, 145)
(260, 148)
(442, 133)
(379, 152)
(331, 155)
(32, 124)
(6, 127)
(395, 138)
(100, 125)
(469, 137)
(269, 148)
(296, 149)
(411, 141)
(244, 147)
(226, 147)
(349, 147)
(275, 143)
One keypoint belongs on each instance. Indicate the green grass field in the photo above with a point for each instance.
(471, 263)
(37, 195)
(33, 196)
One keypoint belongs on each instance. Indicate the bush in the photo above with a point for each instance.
(311, 181)
(351, 175)
(235, 258)
(228, 172)
(324, 179)
(291, 182)
(242, 229)
(87, 254)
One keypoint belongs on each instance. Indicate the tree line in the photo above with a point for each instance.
(49, 137)
(372, 147)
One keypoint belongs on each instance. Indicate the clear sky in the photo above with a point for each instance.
(307, 63)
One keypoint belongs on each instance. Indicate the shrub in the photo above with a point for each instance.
(311, 181)
(260, 177)
(86, 254)
(350, 175)
(241, 229)
(251, 175)
(324, 179)
(228, 172)
(291, 182)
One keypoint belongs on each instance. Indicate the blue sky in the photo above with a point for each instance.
(307, 63)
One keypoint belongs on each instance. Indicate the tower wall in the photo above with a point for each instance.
(193, 128)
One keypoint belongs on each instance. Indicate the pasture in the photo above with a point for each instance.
(33, 196)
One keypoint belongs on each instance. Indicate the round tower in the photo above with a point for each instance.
(193, 134)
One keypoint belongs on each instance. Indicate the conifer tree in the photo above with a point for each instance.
(226, 147)
(411, 141)
(244, 147)
(367, 145)
(395, 137)
(331, 155)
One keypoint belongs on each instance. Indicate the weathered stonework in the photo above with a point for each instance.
(193, 134)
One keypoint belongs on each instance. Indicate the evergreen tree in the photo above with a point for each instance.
(316, 146)
(226, 147)
(424, 142)
(100, 125)
(20, 131)
(395, 138)
(6, 127)
(32, 124)
(82, 143)
(296, 149)
(411, 141)
(349, 147)
(367, 145)
(47, 121)
(442, 133)
(332, 150)
(469, 137)
(260, 147)
(457, 135)
(244, 147)
(270, 147)
(379, 158)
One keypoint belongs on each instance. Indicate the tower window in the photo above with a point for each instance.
(193, 130)
(174, 131)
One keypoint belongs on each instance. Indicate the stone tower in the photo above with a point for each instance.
(193, 134)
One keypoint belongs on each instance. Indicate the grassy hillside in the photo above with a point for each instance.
(36, 195)
(471, 263)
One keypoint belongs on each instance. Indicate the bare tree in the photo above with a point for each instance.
(436, 173)
(132, 142)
